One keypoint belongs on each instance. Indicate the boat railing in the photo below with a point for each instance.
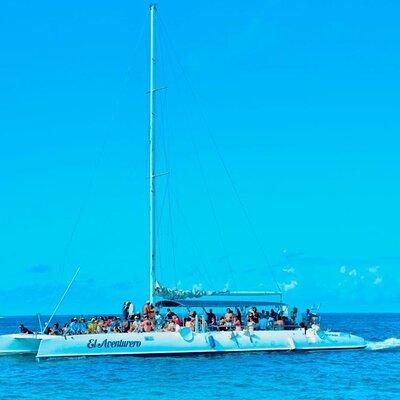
(271, 327)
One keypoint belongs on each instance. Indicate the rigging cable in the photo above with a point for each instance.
(99, 158)
(223, 163)
(164, 129)
(221, 238)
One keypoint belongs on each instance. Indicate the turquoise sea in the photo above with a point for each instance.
(373, 373)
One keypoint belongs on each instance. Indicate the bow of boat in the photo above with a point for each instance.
(16, 343)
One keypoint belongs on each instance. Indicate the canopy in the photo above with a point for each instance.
(206, 303)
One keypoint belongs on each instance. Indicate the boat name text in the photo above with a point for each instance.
(94, 343)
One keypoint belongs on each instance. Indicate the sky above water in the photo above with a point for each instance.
(278, 128)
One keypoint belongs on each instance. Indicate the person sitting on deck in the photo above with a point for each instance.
(159, 320)
(92, 326)
(170, 326)
(81, 326)
(65, 329)
(288, 324)
(176, 320)
(263, 322)
(293, 314)
(136, 325)
(147, 325)
(73, 326)
(253, 315)
(132, 327)
(100, 325)
(279, 323)
(116, 325)
(212, 325)
(55, 329)
(107, 323)
(106, 326)
(23, 329)
(270, 320)
(237, 324)
(273, 314)
(126, 325)
(250, 322)
(189, 323)
(115, 322)
(222, 324)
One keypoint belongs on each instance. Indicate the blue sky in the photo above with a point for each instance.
(301, 99)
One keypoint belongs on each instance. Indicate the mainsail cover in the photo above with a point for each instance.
(180, 294)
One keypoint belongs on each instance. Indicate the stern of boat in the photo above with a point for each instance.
(318, 339)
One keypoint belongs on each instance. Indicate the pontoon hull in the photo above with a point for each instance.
(19, 344)
(187, 342)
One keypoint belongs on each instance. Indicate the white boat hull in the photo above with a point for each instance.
(18, 343)
(187, 342)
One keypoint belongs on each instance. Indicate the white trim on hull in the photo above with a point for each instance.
(187, 342)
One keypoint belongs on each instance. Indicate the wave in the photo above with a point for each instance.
(386, 344)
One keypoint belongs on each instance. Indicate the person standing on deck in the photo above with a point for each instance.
(229, 318)
(159, 320)
(211, 318)
(131, 310)
(147, 309)
(125, 310)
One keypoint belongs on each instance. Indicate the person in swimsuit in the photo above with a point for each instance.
(237, 324)
(147, 325)
(189, 323)
(147, 308)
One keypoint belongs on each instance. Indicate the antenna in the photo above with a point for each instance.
(47, 324)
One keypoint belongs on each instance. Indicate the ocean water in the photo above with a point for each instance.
(373, 373)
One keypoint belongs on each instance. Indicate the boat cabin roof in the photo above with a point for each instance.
(192, 303)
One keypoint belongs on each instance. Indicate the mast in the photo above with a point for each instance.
(152, 188)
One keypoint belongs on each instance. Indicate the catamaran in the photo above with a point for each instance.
(200, 338)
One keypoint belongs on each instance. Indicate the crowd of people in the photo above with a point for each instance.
(150, 319)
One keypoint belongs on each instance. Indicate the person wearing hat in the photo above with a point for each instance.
(92, 325)
(136, 324)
